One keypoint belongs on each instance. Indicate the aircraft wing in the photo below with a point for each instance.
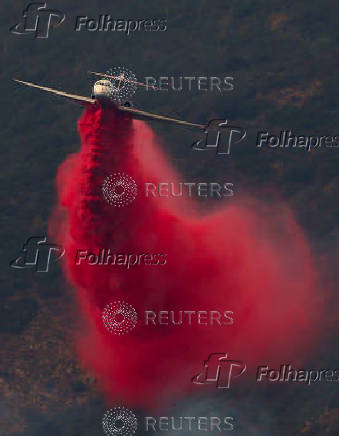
(137, 113)
(77, 98)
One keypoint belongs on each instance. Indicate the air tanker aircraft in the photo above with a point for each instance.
(109, 90)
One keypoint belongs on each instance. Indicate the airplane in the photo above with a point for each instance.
(103, 92)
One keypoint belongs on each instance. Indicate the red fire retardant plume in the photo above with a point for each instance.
(253, 261)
